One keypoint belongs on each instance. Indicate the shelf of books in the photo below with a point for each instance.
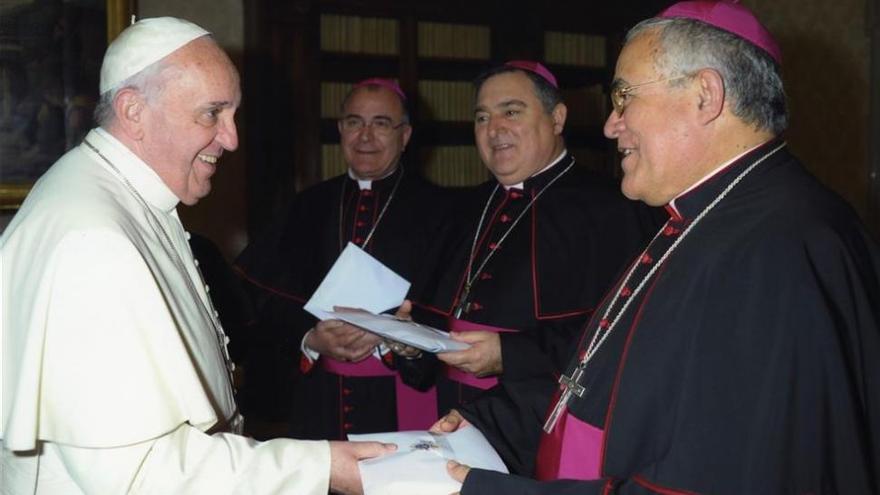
(447, 57)
(580, 61)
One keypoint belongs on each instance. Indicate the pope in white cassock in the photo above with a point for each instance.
(115, 376)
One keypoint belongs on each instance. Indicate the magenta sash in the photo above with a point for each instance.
(464, 377)
(572, 451)
(415, 410)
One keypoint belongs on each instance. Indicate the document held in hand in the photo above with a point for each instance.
(408, 332)
(419, 464)
(357, 280)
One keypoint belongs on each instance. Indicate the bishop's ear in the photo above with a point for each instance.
(711, 94)
(129, 108)
(559, 114)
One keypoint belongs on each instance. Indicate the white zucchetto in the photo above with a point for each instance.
(143, 43)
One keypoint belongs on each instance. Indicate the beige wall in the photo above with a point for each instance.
(826, 64)
(222, 215)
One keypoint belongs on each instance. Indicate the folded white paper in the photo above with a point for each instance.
(357, 280)
(408, 332)
(419, 464)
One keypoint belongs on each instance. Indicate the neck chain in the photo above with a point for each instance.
(569, 384)
(378, 219)
(471, 276)
(178, 262)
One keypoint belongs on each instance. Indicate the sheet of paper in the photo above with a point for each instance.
(419, 464)
(357, 280)
(409, 332)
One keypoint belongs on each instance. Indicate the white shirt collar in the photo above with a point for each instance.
(554, 162)
(366, 185)
(141, 176)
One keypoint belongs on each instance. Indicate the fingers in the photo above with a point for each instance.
(344, 473)
(457, 471)
(402, 349)
(453, 421)
(368, 450)
(404, 312)
(472, 337)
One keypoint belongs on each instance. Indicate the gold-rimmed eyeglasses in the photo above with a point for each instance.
(379, 125)
(619, 92)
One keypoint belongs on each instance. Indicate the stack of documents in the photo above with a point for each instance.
(419, 464)
(357, 280)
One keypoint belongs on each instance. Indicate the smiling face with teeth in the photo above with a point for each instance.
(515, 136)
(659, 134)
(371, 154)
(186, 127)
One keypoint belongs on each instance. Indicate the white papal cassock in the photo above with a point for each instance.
(114, 369)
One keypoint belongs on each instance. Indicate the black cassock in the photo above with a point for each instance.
(749, 362)
(284, 267)
(545, 275)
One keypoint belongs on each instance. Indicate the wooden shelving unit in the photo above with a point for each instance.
(303, 55)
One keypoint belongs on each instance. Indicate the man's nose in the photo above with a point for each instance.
(228, 134)
(613, 125)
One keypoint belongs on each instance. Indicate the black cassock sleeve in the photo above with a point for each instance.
(510, 415)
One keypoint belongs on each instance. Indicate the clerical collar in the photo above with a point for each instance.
(141, 176)
(521, 185)
(367, 184)
(691, 201)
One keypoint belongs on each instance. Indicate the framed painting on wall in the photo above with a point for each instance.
(50, 61)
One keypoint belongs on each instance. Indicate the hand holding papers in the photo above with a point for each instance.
(419, 465)
(408, 332)
(357, 280)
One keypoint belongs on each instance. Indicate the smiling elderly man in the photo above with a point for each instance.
(115, 374)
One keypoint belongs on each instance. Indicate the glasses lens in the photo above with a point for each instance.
(351, 124)
(617, 96)
(381, 125)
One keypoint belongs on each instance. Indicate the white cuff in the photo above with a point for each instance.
(311, 354)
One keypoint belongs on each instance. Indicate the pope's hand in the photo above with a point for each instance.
(483, 358)
(453, 421)
(345, 477)
(458, 471)
(341, 341)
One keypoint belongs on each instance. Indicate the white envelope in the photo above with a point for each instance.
(419, 464)
(357, 280)
(409, 332)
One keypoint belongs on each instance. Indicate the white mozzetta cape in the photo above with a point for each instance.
(109, 355)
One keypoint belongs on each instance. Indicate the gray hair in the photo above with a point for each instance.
(751, 77)
(150, 82)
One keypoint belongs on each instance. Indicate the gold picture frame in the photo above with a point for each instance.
(49, 65)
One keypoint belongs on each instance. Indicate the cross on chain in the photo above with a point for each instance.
(569, 386)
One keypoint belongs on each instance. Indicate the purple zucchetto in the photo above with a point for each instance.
(536, 68)
(389, 84)
(729, 16)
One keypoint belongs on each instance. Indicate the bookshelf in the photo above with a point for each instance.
(306, 55)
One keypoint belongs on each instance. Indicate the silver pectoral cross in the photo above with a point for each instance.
(569, 386)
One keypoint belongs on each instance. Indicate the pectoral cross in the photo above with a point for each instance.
(569, 385)
(463, 305)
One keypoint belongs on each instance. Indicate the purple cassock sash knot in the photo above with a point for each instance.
(415, 410)
(573, 450)
(464, 377)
